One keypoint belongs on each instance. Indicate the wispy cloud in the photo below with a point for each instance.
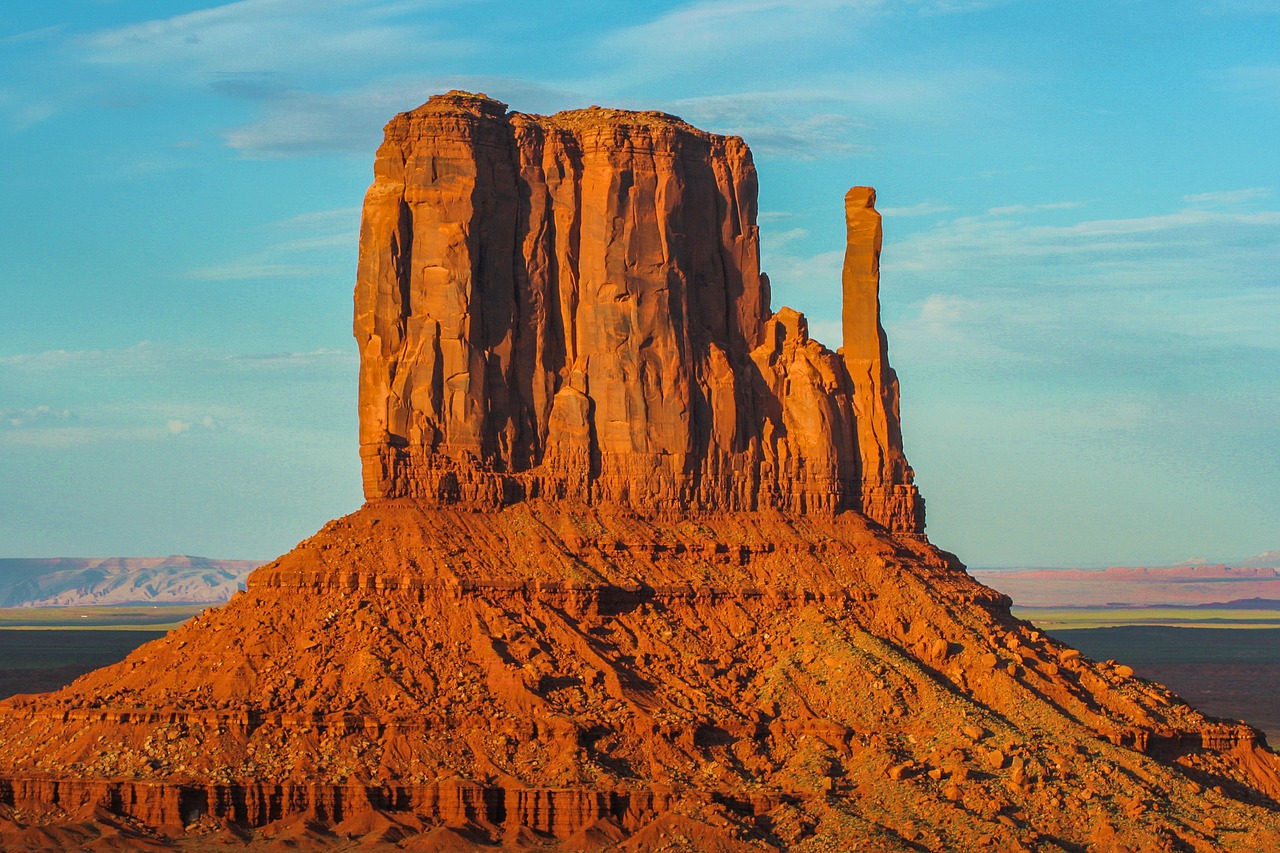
(148, 393)
(276, 56)
(145, 358)
(923, 208)
(250, 270)
(1251, 81)
(55, 438)
(778, 123)
(1228, 198)
(137, 355)
(1022, 209)
(37, 414)
(308, 123)
(705, 32)
(312, 241)
(321, 220)
(270, 359)
(1164, 251)
(326, 38)
(350, 121)
(830, 115)
(36, 35)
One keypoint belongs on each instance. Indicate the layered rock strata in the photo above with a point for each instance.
(572, 307)
(641, 568)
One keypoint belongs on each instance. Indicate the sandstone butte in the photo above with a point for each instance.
(641, 567)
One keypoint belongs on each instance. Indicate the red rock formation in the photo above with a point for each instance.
(888, 495)
(572, 306)
(614, 585)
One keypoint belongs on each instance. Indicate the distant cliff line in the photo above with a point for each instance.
(101, 581)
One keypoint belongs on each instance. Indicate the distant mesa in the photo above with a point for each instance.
(1269, 559)
(1184, 585)
(76, 581)
(641, 567)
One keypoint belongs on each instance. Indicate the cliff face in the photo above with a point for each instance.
(572, 307)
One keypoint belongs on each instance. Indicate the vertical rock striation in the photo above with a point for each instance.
(572, 307)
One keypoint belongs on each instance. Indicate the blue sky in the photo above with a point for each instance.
(1081, 271)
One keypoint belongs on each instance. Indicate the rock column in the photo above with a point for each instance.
(888, 495)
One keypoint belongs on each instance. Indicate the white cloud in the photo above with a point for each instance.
(1251, 81)
(250, 270)
(37, 35)
(271, 359)
(145, 359)
(706, 32)
(1227, 198)
(322, 220)
(923, 208)
(803, 279)
(56, 438)
(778, 123)
(1118, 303)
(1172, 250)
(949, 328)
(350, 121)
(703, 32)
(1020, 209)
(34, 415)
(140, 354)
(177, 426)
(263, 52)
(305, 123)
(316, 240)
(829, 116)
(318, 37)
(775, 240)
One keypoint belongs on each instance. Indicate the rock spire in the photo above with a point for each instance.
(888, 495)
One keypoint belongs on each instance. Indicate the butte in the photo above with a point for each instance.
(641, 566)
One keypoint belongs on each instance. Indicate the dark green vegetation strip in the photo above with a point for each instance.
(1064, 618)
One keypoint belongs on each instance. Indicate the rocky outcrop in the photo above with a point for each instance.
(572, 307)
(641, 568)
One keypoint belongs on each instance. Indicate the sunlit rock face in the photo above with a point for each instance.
(572, 307)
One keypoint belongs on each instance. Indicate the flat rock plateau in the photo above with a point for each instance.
(641, 567)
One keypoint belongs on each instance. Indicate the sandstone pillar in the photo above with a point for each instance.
(888, 495)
